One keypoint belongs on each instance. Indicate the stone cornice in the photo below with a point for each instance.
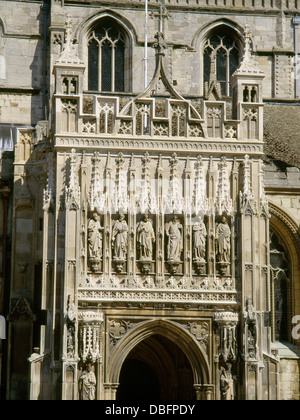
(159, 296)
(252, 148)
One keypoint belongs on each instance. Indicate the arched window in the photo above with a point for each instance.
(280, 288)
(106, 57)
(221, 58)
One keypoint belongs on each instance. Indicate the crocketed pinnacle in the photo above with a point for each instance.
(248, 65)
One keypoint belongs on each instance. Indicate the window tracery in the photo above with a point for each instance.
(280, 283)
(221, 57)
(106, 57)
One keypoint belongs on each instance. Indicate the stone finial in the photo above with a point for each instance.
(69, 53)
(248, 65)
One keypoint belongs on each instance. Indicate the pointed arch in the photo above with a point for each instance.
(175, 333)
(284, 224)
(288, 233)
(122, 51)
(87, 25)
(202, 33)
(220, 46)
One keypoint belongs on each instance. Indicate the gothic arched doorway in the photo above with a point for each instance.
(156, 369)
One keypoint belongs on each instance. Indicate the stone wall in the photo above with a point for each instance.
(21, 43)
(289, 371)
(289, 379)
(55, 185)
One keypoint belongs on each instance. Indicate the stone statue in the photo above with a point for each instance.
(223, 236)
(199, 240)
(95, 237)
(230, 342)
(71, 320)
(145, 238)
(250, 318)
(226, 383)
(174, 234)
(250, 313)
(120, 239)
(87, 384)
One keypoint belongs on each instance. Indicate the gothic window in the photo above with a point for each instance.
(106, 57)
(221, 57)
(280, 287)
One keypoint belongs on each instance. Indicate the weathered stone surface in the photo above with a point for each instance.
(203, 287)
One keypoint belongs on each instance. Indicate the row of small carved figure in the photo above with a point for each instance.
(149, 283)
(146, 237)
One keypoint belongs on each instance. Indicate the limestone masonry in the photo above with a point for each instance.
(150, 200)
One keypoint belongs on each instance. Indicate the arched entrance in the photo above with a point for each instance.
(163, 353)
(156, 369)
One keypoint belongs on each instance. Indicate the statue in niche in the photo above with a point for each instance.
(254, 94)
(174, 235)
(226, 383)
(71, 321)
(120, 239)
(250, 318)
(223, 236)
(199, 240)
(145, 238)
(87, 384)
(95, 237)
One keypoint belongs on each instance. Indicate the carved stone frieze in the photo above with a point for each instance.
(237, 148)
(195, 297)
(149, 282)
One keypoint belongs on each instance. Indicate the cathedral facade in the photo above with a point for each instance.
(150, 200)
